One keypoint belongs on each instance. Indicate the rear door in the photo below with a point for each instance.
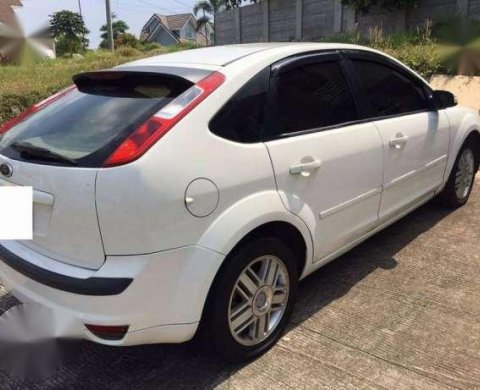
(328, 164)
(415, 136)
(59, 148)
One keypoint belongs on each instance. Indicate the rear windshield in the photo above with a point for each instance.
(86, 125)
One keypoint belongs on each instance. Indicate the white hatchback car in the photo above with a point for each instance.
(189, 193)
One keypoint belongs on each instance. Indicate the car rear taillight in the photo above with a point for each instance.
(145, 136)
(33, 109)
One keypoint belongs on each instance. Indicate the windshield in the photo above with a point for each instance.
(86, 125)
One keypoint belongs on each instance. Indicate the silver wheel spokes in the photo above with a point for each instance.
(465, 174)
(258, 300)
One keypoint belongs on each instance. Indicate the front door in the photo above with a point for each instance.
(328, 167)
(415, 137)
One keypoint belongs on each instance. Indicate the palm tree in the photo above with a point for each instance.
(207, 8)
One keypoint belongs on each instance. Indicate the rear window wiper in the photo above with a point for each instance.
(29, 151)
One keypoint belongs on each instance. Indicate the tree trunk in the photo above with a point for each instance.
(214, 42)
(205, 28)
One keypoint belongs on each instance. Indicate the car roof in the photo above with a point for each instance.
(217, 56)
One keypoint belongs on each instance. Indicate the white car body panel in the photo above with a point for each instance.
(131, 221)
(417, 166)
(340, 199)
(65, 225)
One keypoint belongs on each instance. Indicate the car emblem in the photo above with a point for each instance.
(6, 170)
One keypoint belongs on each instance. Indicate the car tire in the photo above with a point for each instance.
(255, 289)
(461, 179)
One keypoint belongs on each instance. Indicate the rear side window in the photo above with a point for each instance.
(83, 127)
(242, 118)
(389, 91)
(311, 97)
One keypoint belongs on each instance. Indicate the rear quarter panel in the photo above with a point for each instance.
(141, 206)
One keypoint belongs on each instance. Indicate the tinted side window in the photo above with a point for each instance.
(313, 96)
(241, 119)
(389, 92)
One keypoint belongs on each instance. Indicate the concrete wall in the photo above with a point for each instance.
(466, 89)
(289, 20)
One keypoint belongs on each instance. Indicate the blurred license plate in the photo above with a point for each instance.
(16, 215)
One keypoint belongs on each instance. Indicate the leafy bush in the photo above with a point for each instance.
(22, 86)
(415, 49)
(127, 40)
(149, 46)
(128, 52)
(424, 59)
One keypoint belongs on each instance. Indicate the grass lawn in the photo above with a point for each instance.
(22, 86)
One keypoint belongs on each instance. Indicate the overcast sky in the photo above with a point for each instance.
(35, 13)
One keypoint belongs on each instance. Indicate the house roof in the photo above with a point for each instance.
(175, 22)
(7, 15)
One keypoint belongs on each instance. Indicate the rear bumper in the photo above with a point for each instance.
(162, 302)
(89, 286)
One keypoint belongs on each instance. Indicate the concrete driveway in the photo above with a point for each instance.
(400, 311)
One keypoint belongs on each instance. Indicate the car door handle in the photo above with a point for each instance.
(399, 141)
(305, 169)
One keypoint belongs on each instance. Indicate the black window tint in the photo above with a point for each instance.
(86, 125)
(389, 91)
(313, 96)
(241, 119)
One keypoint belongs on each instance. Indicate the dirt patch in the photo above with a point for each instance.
(465, 88)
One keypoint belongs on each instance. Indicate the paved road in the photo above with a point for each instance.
(400, 311)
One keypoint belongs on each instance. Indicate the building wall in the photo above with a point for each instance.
(162, 37)
(289, 20)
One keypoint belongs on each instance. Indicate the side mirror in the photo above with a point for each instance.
(443, 99)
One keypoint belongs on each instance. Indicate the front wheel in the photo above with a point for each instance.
(460, 183)
(251, 301)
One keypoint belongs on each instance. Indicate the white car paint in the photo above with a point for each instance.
(133, 220)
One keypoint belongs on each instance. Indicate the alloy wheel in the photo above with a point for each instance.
(465, 174)
(258, 300)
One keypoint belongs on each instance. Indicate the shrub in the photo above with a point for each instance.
(127, 40)
(128, 52)
(22, 86)
(415, 49)
(149, 46)
(156, 52)
(424, 59)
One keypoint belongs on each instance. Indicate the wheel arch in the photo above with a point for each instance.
(473, 137)
(465, 127)
(261, 214)
(243, 222)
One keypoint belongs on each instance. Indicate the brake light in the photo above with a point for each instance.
(33, 109)
(158, 125)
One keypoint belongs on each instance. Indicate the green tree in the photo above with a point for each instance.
(68, 29)
(127, 40)
(119, 27)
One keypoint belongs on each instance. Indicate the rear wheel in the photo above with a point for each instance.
(460, 183)
(251, 301)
